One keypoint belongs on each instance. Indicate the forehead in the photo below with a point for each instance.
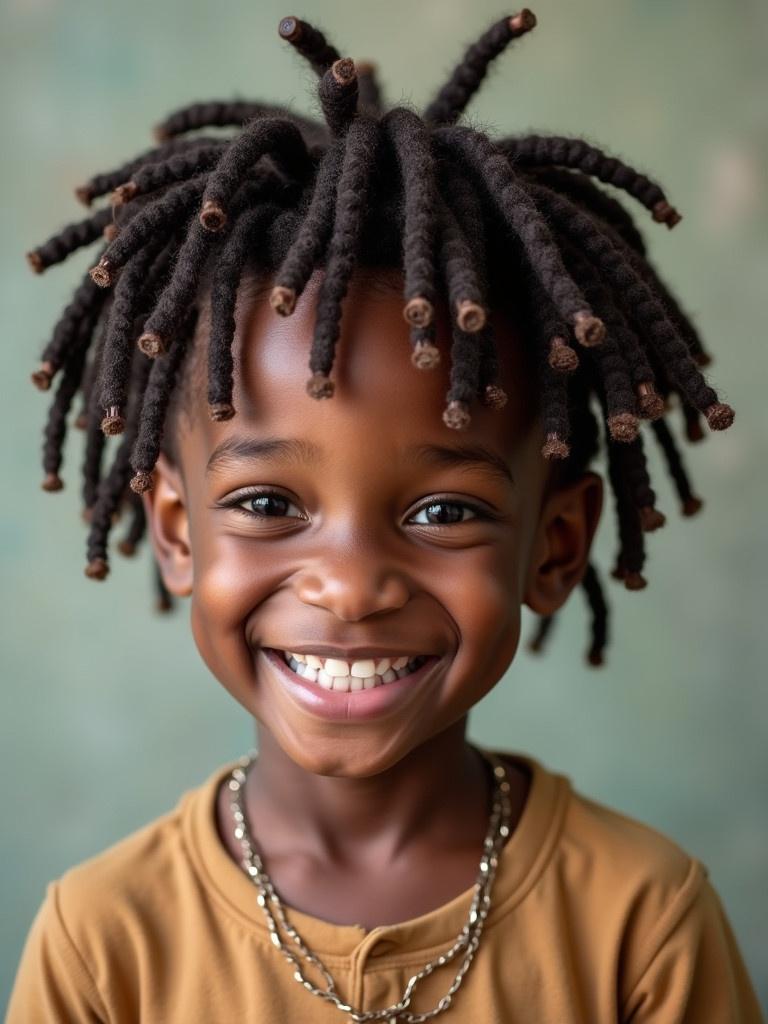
(380, 399)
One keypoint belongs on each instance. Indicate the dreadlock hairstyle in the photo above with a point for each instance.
(465, 216)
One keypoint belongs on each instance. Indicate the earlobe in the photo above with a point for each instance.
(560, 552)
(168, 524)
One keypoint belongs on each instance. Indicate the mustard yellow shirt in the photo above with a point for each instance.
(595, 918)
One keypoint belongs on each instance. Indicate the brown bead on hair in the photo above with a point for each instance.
(702, 358)
(103, 273)
(84, 195)
(113, 422)
(588, 328)
(456, 415)
(469, 316)
(221, 411)
(126, 548)
(43, 376)
(81, 421)
(619, 571)
(494, 396)
(651, 519)
(635, 581)
(212, 216)
(320, 385)
(555, 447)
(595, 658)
(152, 345)
(282, 300)
(35, 260)
(52, 482)
(425, 355)
(522, 22)
(418, 311)
(623, 426)
(561, 356)
(110, 232)
(691, 506)
(719, 416)
(142, 482)
(97, 569)
(289, 29)
(649, 401)
(344, 71)
(124, 193)
(663, 213)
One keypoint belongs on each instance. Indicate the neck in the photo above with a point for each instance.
(439, 791)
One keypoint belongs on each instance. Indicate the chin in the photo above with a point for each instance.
(342, 757)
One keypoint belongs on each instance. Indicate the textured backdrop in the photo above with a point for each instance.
(107, 714)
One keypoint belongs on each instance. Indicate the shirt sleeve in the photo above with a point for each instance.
(695, 973)
(52, 980)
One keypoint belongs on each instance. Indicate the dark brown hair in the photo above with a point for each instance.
(463, 215)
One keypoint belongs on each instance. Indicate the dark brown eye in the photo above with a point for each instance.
(444, 513)
(268, 505)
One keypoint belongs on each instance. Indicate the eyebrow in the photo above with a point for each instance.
(464, 456)
(297, 450)
(269, 449)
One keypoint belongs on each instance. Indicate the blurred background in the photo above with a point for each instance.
(107, 713)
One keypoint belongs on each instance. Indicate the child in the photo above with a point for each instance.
(370, 864)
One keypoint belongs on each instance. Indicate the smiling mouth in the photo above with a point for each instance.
(345, 676)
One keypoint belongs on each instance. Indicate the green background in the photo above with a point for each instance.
(107, 714)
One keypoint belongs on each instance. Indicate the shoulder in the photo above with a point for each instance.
(130, 894)
(105, 921)
(626, 852)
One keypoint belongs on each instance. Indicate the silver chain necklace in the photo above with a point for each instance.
(468, 938)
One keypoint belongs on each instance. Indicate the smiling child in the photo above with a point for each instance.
(357, 548)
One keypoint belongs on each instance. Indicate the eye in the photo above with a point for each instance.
(445, 513)
(265, 505)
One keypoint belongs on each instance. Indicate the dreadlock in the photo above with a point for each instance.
(465, 216)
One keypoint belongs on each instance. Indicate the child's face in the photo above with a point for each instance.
(345, 554)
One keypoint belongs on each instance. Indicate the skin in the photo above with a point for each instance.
(348, 555)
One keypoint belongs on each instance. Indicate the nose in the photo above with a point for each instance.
(353, 581)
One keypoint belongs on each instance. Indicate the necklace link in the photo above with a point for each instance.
(468, 938)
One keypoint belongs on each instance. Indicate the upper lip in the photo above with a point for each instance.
(352, 653)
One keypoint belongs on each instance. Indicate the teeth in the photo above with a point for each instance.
(336, 674)
(336, 668)
(325, 680)
(362, 669)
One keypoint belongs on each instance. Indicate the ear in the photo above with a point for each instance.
(560, 551)
(168, 523)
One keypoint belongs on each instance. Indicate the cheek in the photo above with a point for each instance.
(483, 597)
(228, 584)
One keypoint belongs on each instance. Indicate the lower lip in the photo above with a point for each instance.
(353, 705)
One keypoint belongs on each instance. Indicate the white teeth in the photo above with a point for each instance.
(325, 680)
(344, 676)
(336, 668)
(363, 669)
